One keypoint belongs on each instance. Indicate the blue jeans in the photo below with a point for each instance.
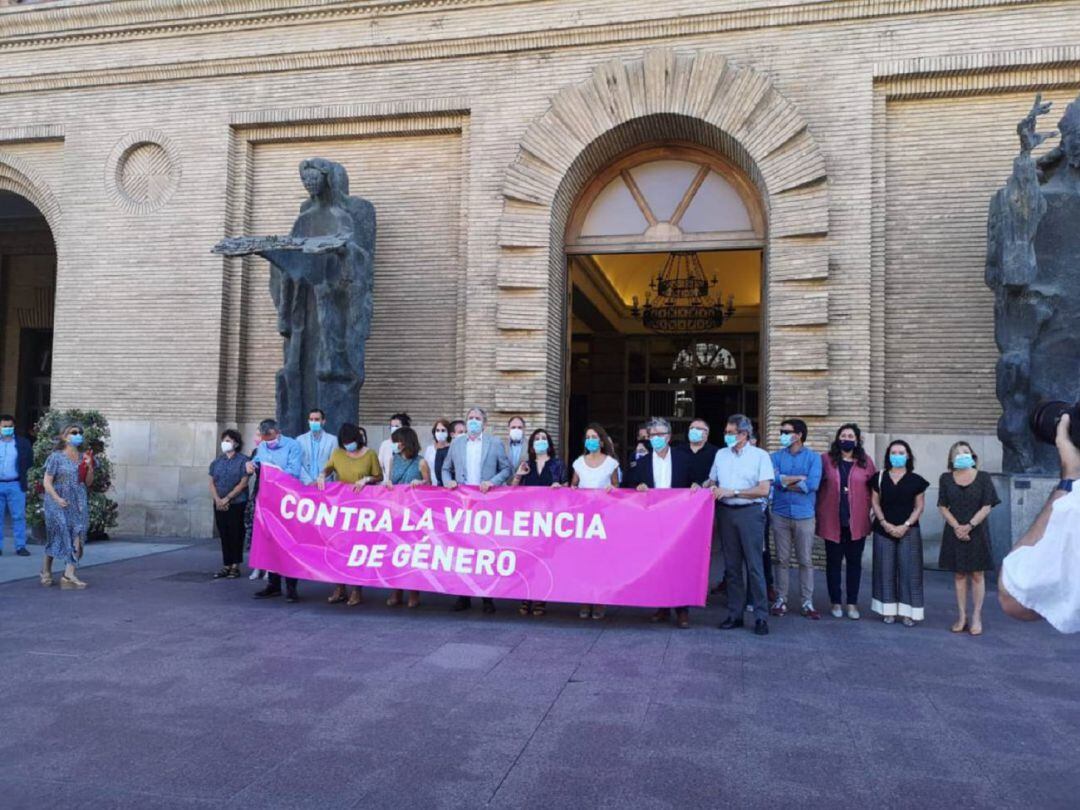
(13, 500)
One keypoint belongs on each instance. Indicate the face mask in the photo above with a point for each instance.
(963, 461)
(350, 447)
(396, 449)
(540, 446)
(227, 447)
(731, 439)
(314, 426)
(516, 434)
(897, 460)
(640, 452)
(847, 445)
(696, 435)
(75, 439)
(393, 428)
(786, 439)
(272, 444)
(592, 445)
(658, 442)
(440, 435)
(474, 426)
(7, 431)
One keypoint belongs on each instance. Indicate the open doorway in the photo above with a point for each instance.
(27, 294)
(665, 253)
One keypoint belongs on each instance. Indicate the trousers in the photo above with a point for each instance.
(230, 528)
(742, 535)
(794, 533)
(13, 502)
(898, 575)
(836, 554)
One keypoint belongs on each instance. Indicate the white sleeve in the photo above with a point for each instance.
(1045, 577)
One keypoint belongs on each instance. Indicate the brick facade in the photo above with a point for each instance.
(875, 131)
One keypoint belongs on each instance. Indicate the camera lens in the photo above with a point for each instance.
(1045, 418)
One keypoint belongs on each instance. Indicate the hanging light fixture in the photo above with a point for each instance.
(684, 298)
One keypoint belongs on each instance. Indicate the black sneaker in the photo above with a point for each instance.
(761, 628)
(730, 623)
(267, 593)
(292, 596)
(462, 603)
(489, 606)
(22, 552)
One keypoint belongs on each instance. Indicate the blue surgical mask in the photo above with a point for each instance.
(75, 439)
(314, 426)
(696, 435)
(350, 447)
(897, 460)
(658, 442)
(540, 446)
(396, 449)
(474, 426)
(592, 444)
(963, 461)
(7, 431)
(786, 439)
(730, 439)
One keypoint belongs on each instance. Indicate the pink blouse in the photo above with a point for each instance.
(858, 494)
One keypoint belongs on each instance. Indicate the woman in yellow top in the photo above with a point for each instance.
(352, 462)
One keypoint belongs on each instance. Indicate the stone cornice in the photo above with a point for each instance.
(979, 74)
(494, 43)
(32, 132)
(80, 22)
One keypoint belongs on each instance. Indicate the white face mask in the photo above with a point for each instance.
(227, 446)
(516, 434)
(440, 435)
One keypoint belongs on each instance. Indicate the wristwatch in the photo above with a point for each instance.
(1066, 484)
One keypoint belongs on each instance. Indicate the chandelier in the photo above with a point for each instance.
(684, 298)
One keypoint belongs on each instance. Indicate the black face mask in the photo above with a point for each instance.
(847, 445)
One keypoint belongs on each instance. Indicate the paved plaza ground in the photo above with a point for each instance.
(158, 688)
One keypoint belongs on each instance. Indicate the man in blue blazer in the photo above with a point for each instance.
(476, 459)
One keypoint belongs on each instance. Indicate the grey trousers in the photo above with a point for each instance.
(788, 532)
(898, 575)
(742, 536)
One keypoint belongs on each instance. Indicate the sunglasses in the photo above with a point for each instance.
(74, 433)
(786, 432)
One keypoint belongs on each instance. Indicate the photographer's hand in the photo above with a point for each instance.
(1068, 452)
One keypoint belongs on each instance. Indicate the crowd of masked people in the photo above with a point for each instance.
(793, 494)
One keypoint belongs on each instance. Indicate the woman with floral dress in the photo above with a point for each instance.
(67, 511)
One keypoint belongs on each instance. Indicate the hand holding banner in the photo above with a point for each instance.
(648, 549)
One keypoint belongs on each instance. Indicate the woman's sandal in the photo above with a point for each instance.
(888, 619)
(908, 621)
(67, 582)
(234, 572)
(413, 603)
(355, 598)
(960, 626)
(224, 572)
(337, 596)
(524, 608)
(46, 579)
(976, 629)
(539, 609)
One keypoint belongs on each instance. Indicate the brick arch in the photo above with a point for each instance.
(664, 95)
(17, 176)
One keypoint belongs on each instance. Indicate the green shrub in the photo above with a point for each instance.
(96, 432)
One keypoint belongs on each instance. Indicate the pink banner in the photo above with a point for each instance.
(649, 549)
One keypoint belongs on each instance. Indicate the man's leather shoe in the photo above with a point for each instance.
(761, 628)
(292, 596)
(682, 619)
(267, 592)
(462, 603)
(489, 606)
(730, 623)
(662, 615)
(22, 552)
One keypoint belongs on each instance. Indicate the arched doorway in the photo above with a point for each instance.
(665, 258)
(27, 295)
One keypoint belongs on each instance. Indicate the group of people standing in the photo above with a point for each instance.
(795, 492)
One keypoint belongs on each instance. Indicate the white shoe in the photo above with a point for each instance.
(853, 613)
(749, 608)
(256, 573)
(837, 612)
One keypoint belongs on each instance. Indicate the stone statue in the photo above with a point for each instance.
(1033, 266)
(321, 278)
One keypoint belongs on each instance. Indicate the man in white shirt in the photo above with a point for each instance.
(1041, 575)
(386, 449)
(315, 446)
(741, 479)
(662, 468)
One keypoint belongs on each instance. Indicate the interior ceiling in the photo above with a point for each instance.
(738, 273)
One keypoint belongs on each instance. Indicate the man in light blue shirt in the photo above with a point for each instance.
(798, 476)
(284, 453)
(315, 446)
(740, 479)
(15, 457)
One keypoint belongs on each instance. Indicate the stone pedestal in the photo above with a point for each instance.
(1022, 498)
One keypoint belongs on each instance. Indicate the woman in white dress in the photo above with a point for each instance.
(596, 469)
